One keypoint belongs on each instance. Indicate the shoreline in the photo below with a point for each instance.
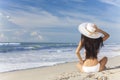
(57, 64)
(62, 71)
(38, 67)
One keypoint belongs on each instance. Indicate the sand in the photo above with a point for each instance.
(66, 71)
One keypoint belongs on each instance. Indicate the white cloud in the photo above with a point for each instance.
(1, 14)
(78, 18)
(40, 37)
(9, 31)
(35, 18)
(19, 32)
(40, 18)
(36, 35)
(6, 23)
(1, 35)
(112, 2)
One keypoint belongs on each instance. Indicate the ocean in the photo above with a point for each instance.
(18, 56)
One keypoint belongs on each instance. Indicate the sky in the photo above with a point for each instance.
(56, 20)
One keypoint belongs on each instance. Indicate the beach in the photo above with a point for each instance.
(65, 71)
(45, 39)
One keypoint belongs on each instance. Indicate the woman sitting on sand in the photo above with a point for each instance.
(91, 40)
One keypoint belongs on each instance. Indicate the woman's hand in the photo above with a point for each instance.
(106, 35)
(81, 62)
(98, 30)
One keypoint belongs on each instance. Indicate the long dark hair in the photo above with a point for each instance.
(91, 46)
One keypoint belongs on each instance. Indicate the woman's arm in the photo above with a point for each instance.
(106, 35)
(78, 52)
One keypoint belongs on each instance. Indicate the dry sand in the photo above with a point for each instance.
(66, 71)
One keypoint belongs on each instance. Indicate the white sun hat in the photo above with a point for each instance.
(89, 30)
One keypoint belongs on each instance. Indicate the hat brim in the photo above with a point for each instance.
(83, 31)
